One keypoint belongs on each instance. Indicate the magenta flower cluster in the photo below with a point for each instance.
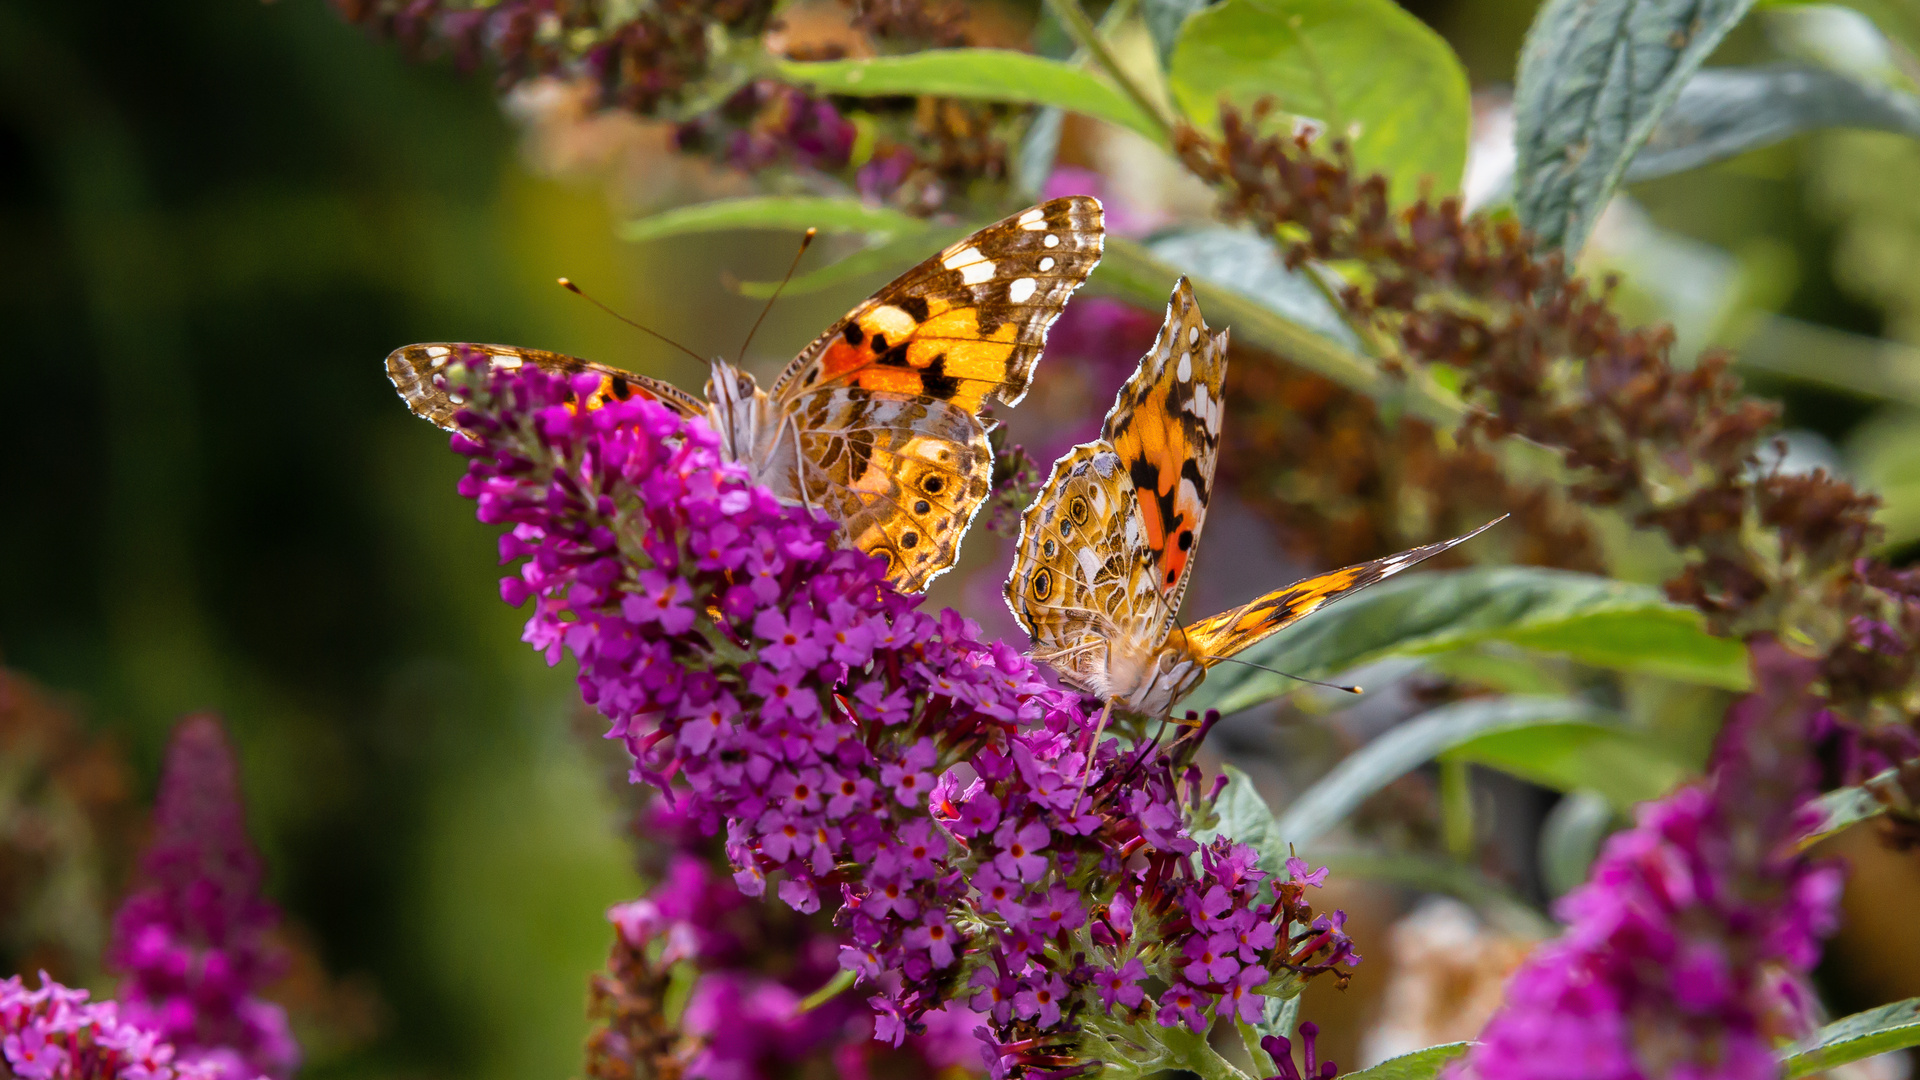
(55, 1033)
(1686, 953)
(859, 754)
(745, 1004)
(193, 942)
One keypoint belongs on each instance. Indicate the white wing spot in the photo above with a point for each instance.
(975, 268)
(1034, 220)
(508, 362)
(1051, 240)
(1185, 370)
(1193, 334)
(1046, 264)
(1020, 290)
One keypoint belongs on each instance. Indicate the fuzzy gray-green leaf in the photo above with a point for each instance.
(1596, 77)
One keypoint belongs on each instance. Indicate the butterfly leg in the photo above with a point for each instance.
(1092, 748)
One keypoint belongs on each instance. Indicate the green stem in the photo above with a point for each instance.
(1074, 18)
(1456, 807)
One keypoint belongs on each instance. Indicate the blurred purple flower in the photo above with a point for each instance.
(949, 765)
(1686, 953)
(55, 1033)
(194, 942)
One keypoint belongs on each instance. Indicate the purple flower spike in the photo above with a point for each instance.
(867, 760)
(194, 942)
(1687, 951)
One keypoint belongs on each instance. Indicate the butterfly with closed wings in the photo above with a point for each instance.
(1106, 549)
(877, 422)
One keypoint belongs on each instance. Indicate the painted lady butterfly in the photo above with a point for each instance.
(877, 422)
(1106, 549)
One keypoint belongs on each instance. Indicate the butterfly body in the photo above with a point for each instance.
(1106, 549)
(878, 421)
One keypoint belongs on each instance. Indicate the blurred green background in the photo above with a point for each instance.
(218, 217)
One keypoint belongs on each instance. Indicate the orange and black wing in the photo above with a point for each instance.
(416, 369)
(966, 326)
(1229, 632)
(1165, 427)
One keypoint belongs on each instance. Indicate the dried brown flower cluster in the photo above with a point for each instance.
(940, 23)
(633, 1039)
(1345, 485)
(1544, 357)
(640, 63)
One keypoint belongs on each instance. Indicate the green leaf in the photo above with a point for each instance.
(1419, 1065)
(1165, 19)
(1244, 817)
(1429, 873)
(895, 255)
(1843, 808)
(1411, 745)
(1250, 265)
(1592, 619)
(1368, 70)
(1726, 111)
(1570, 839)
(1619, 763)
(1862, 1035)
(1130, 271)
(979, 75)
(773, 212)
(1596, 77)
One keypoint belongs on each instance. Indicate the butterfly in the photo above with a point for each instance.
(1106, 548)
(877, 422)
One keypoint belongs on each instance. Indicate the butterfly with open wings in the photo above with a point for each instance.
(1106, 549)
(877, 422)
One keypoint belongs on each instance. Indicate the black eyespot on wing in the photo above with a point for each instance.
(934, 485)
(1077, 510)
(853, 333)
(915, 306)
(1042, 585)
(1172, 576)
(1049, 549)
(879, 343)
(1186, 539)
(921, 507)
(909, 540)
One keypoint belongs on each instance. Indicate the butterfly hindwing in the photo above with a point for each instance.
(903, 476)
(1165, 425)
(414, 370)
(1077, 583)
(1232, 631)
(967, 325)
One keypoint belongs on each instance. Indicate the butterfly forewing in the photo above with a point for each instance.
(413, 369)
(1165, 425)
(967, 325)
(1232, 631)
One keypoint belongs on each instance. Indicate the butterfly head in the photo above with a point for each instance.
(735, 406)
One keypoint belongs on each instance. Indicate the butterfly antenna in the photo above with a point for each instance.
(805, 242)
(1286, 675)
(567, 284)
